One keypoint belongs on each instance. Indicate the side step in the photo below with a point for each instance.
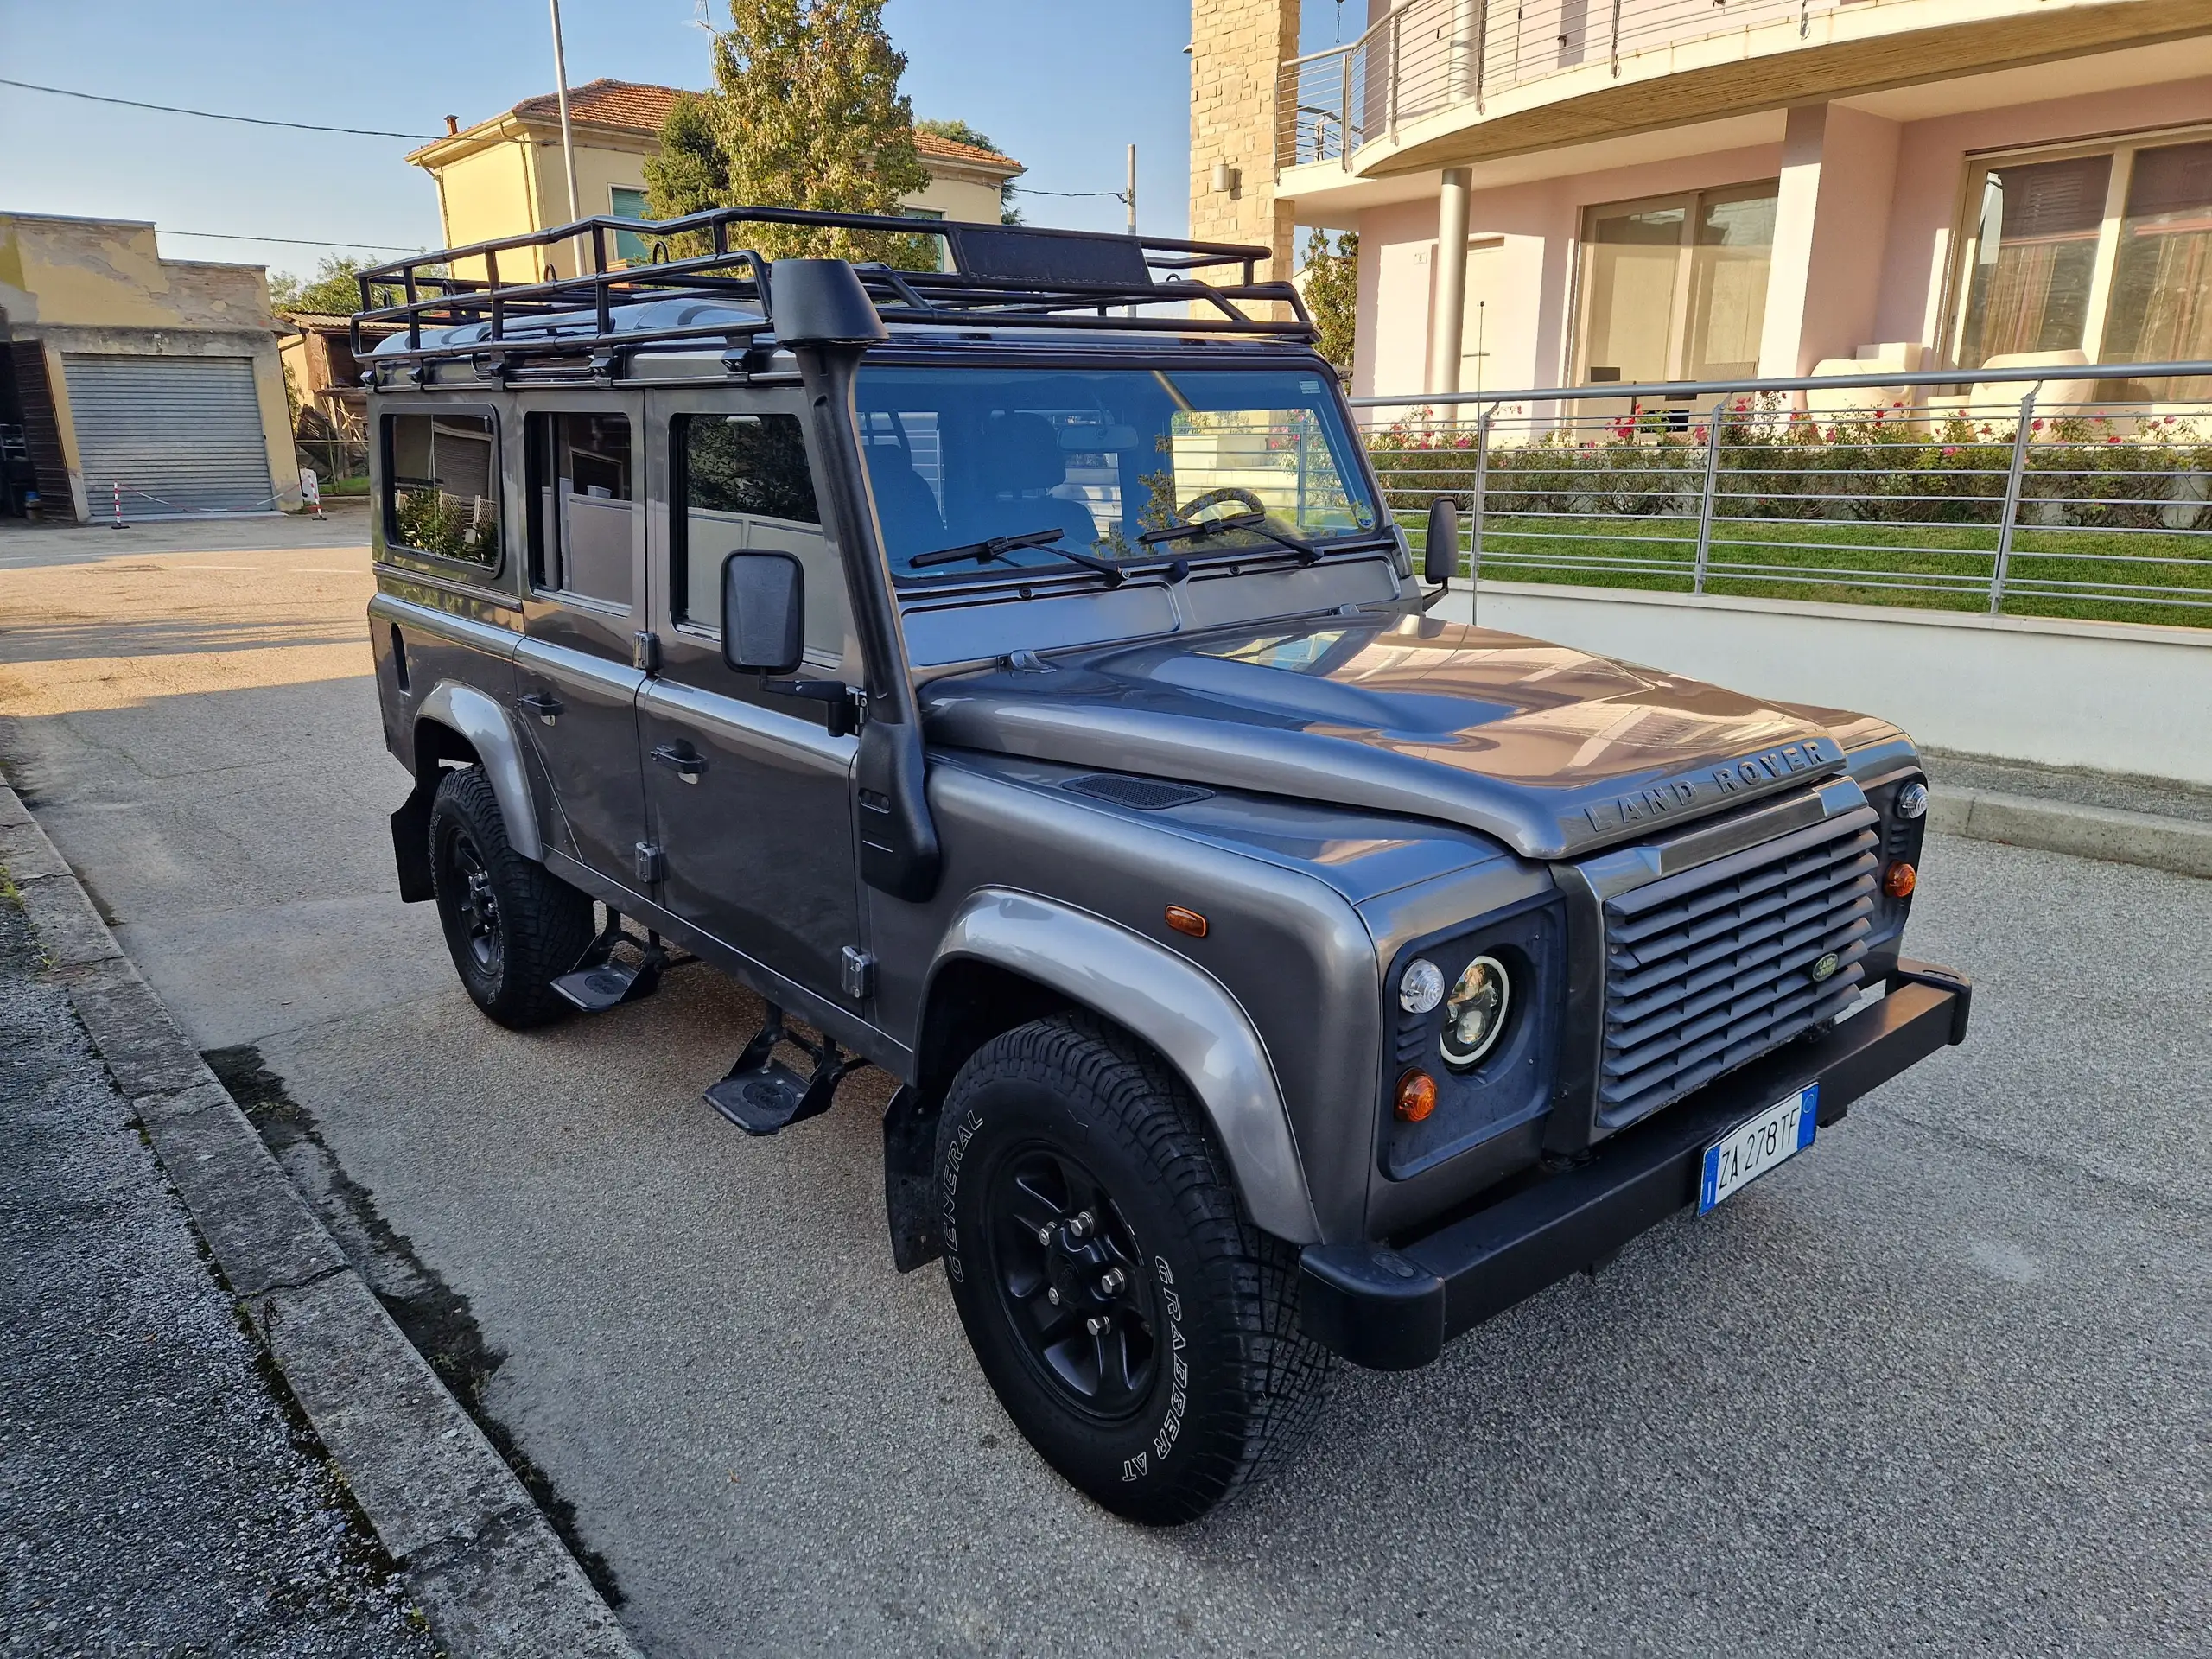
(762, 1094)
(599, 982)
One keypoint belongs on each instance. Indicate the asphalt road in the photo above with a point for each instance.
(1938, 1386)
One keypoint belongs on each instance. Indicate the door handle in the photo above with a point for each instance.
(681, 760)
(543, 705)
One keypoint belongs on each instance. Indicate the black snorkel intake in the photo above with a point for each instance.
(823, 314)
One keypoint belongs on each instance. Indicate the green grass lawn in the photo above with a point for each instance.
(1948, 566)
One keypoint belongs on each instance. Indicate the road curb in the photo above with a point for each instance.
(2050, 826)
(480, 1558)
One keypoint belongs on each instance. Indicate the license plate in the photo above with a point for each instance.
(1748, 1150)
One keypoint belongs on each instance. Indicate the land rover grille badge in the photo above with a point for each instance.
(1825, 967)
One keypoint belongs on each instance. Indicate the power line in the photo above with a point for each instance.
(1026, 190)
(295, 241)
(211, 115)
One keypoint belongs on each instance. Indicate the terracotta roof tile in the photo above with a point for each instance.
(637, 106)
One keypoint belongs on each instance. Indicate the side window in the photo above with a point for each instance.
(441, 486)
(743, 482)
(582, 497)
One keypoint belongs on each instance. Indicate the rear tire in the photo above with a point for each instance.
(1077, 1187)
(512, 927)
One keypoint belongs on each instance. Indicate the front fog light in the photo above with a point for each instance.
(1475, 1012)
(1912, 800)
(1420, 987)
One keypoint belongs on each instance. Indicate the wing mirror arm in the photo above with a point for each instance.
(1440, 549)
(763, 634)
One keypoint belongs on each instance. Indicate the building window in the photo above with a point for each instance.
(1674, 287)
(441, 486)
(2105, 250)
(629, 247)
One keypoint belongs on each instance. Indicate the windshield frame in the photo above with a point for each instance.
(1337, 428)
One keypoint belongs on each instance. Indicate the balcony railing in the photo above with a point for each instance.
(1896, 490)
(1428, 55)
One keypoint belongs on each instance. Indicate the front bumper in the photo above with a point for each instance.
(1394, 1309)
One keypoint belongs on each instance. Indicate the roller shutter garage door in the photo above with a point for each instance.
(180, 433)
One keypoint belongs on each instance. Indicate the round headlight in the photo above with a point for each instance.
(1912, 800)
(1475, 1012)
(1420, 987)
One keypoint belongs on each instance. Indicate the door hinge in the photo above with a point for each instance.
(856, 973)
(652, 865)
(644, 651)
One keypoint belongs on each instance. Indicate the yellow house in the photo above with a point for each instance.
(504, 176)
(124, 375)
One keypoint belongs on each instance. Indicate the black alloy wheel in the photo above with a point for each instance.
(478, 903)
(1067, 1265)
(511, 926)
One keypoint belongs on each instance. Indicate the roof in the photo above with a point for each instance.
(323, 322)
(640, 107)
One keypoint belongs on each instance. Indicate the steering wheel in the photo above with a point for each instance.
(1244, 499)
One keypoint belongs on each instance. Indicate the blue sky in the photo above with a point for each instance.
(1061, 85)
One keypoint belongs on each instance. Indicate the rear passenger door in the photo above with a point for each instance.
(749, 799)
(577, 670)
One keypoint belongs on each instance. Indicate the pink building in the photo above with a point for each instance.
(1701, 189)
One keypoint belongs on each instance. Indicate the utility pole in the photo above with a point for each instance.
(1130, 197)
(568, 136)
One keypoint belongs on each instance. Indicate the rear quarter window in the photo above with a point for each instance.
(441, 486)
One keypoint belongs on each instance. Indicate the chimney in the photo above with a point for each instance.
(453, 124)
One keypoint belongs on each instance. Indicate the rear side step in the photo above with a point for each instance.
(761, 1095)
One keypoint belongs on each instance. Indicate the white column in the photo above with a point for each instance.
(1447, 318)
(1831, 230)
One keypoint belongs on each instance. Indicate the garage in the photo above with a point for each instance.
(179, 434)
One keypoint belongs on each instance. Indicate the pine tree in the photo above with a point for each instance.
(805, 112)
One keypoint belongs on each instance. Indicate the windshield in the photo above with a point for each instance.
(959, 456)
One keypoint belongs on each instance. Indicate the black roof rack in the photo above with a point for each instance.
(1002, 277)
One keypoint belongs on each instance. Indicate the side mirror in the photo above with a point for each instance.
(1441, 557)
(763, 613)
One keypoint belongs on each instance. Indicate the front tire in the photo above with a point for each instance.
(1138, 1328)
(511, 926)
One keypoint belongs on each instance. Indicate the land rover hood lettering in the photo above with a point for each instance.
(1551, 749)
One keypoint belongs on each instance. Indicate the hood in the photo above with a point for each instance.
(1553, 751)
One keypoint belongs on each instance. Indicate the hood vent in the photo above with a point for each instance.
(1146, 794)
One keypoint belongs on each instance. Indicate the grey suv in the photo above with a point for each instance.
(1014, 672)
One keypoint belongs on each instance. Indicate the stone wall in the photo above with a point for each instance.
(1236, 47)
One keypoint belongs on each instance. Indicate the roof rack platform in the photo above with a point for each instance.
(998, 277)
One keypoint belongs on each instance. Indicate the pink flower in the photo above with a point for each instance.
(2035, 426)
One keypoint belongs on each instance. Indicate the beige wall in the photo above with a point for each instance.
(959, 196)
(100, 286)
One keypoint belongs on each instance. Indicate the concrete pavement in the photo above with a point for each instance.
(1937, 1386)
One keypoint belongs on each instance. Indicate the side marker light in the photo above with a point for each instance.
(1188, 921)
(1899, 880)
(1416, 1097)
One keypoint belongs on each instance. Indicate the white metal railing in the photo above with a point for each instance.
(1428, 56)
(1913, 489)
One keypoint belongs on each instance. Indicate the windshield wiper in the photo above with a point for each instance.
(994, 547)
(989, 548)
(1255, 522)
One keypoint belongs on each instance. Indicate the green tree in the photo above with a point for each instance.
(1332, 290)
(805, 112)
(331, 291)
(961, 133)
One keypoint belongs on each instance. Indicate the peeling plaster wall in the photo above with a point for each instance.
(100, 286)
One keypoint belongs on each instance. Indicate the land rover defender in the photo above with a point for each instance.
(1015, 674)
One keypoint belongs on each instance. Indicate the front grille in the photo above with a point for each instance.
(1707, 969)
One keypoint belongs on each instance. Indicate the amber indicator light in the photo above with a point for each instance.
(1186, 921)
(1416, 1096)
(1899, 880)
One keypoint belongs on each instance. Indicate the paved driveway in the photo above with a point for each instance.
(1940, 1386)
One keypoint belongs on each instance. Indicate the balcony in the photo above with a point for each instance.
(1443, 83)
